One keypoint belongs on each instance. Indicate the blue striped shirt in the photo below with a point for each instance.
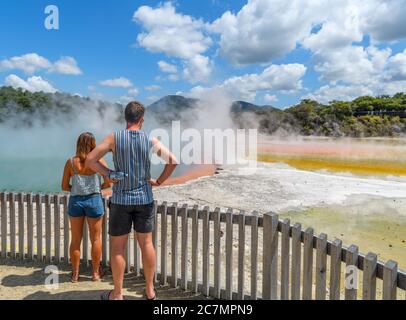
(132, 156)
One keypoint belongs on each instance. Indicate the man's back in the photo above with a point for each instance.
(132, 156)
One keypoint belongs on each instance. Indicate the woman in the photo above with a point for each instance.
(85, 202)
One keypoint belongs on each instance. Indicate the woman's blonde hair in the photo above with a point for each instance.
(86, 143)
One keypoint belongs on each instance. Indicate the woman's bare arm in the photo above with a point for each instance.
(67, 174)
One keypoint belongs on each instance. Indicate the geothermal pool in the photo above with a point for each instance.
(352, 189)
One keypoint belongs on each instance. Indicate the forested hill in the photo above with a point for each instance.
(362, 117)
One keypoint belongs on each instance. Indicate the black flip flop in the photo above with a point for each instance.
(106, 295)
(152, 299)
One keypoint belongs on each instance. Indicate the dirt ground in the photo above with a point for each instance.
(23, 280)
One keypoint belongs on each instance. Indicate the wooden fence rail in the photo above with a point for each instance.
(224, 255)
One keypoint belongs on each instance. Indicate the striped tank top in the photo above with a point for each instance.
(132, 156)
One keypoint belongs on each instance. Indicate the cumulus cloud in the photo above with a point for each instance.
(285, 78)
(120, 82)
(170, 32)
(270, 98)
(197, 69)
(153, 88)
(32, 62)
(264, 30)
(167, 67)
(176, 35)
(33, 84)
(66, 65)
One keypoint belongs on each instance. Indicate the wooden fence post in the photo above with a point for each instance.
(321, 267)
(66, 231)
(30, 227)
(270, 258)
(21, 225)
(335, 272)
(308, 264)
(206, 248)
(241, 255)
(296, 260)
(254, 255)
(155, 239)
(195, 242)
(217, 257)
(48, 228)
(39, 212)
(174, 243)
(369, 277)
(351, 261)
(184, 247)
(164, 244)
(390, 273)
(12, 210)
(229, 254)
(285, 258)
(4, 224)
(57, 228)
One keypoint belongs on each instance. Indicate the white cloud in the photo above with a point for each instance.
(66, 65)
(176, 35)
(270, 98)
(120, 82)
(397, 66)
(286, 78)
(197, 69)
(170, 32)
(344, 93)
(384, 20)
(32, 62)
(28, 63)
(133, 92)
(33, 84)
(167, 67)
(153, 88)
(264, 30)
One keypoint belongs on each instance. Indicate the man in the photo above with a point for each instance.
(132, 200)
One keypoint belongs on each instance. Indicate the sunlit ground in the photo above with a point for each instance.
(374, 224)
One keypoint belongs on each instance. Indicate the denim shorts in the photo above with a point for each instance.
(123, 217)
(86, 206)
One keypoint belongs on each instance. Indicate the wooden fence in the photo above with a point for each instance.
(224, 255)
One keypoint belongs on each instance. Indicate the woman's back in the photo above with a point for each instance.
(84, 180)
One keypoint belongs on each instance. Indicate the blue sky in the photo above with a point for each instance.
(264, 51)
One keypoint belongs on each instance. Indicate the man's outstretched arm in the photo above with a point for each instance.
(168, 157)
(93, 159)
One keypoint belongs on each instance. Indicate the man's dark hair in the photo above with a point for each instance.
(134, 112)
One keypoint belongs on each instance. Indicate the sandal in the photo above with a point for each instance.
(106, 295)
(101, 274)
(151, 299)
(74, 279)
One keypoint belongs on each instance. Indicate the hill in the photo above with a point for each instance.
(362, 117)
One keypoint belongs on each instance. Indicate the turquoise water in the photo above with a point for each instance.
(44, 175)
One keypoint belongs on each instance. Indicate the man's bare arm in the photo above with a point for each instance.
(168, 157)
(93, 159)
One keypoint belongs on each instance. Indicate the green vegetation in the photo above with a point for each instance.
(362, 117)
(23, 107)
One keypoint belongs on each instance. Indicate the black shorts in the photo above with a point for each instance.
(123, 217)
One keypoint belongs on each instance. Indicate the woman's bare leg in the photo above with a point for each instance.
(76, 235)
(95, 228)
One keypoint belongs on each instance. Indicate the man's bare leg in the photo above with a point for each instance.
(148, 261)
(118, 246)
